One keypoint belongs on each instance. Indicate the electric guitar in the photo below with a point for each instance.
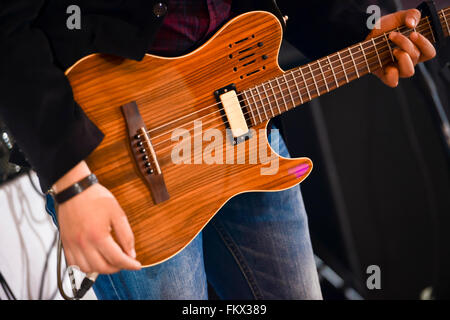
(184, 135)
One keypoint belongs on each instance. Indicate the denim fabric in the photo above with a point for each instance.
(256, 247)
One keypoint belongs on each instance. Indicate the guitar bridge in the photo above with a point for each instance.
(144, 140)
(144, 153)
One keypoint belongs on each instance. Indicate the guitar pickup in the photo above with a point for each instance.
(232, 113)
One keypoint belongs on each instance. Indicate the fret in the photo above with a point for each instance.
(343, 67)
(257, 108)
(431, 29)
(275, 96)
(262, 103)
(353, 59)
(306, 84)
(361, 56)
(445, 20)
(400, 31)
(250, 106)
(256, 105)
(376, 51)
(389, 46)
(365, 57)
(332, 70)
(323, 75)
(290, 92)
(268, 99)
(314, 79)
(296, 85)
(281, 91)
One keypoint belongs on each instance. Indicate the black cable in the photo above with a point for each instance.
(52, 246)
(9, 294)
(44, 271)
(38, 191)
(86, 284)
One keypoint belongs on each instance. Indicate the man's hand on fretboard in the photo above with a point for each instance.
(410, 50)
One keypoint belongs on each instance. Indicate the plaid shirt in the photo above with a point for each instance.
(189, 23)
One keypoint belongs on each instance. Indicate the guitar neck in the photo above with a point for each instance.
(300, 85)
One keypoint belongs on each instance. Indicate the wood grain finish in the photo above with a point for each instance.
(177, 91)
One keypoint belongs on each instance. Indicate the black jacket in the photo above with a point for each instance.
(36, 47)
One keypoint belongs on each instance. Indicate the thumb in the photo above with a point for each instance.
(410, 18)
(389, 22)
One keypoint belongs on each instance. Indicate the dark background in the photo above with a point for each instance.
(379, 193)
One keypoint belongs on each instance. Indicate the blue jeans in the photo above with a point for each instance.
(256, 247)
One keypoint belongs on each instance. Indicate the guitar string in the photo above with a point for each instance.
(372, 46)
(374, 63)
(327, 77)
(287, 87)
(261, 107)
(251, 146)
(371, 62)
(340, 78)
(418, 29)
(387, 57)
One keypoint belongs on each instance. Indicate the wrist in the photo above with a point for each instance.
(75, 189)
(80, 171)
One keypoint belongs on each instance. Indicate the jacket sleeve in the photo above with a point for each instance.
(36, 100)
(318, 28)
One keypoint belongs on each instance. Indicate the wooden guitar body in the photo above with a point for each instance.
(170, 94)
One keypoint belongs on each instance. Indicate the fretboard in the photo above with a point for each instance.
(300, 85)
